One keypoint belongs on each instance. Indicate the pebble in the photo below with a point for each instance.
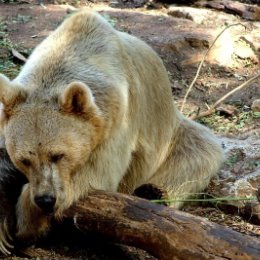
(256, 105)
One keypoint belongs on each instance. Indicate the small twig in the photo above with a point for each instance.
(217, 103)
(214, 199)
(202, 61)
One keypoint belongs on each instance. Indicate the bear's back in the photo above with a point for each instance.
(87, 48)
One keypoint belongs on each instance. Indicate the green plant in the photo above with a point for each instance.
(7, 66)
(212, 199)
(256, 114)
(231, 160)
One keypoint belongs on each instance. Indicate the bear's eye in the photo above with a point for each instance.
(56, 157)
(26, 162)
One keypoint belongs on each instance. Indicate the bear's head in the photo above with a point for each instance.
(50, 140)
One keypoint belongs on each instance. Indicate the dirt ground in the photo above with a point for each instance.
(181, 41)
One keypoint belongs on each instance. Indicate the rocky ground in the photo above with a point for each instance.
(181, 35)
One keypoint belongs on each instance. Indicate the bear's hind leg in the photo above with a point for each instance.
(194, 158)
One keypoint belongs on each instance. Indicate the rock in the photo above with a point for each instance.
(243, 50)
(221, 53)
(246, 11)
(227, 110)
(180, 14)
(249, 12)
(128, 3)
(229, 45)
(183, 36)
(253, 39)
(177, 86)
(240, 176)
(196, 42)
(190, 13)
(223, 49)
(256, 105)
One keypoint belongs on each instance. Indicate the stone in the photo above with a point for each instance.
(256, 105)
(244, 51)
(249, 12)
(253, 39)
(194, 14)
(240, 175)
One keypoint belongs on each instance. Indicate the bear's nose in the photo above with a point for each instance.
(46, 203)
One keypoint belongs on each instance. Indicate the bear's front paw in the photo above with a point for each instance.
(152, 192)
(7, 225)
(5, 237)
(30, 231)
(31, 222)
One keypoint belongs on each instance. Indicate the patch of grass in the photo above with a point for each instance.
(248, 63)
(23, 18)
(252, 165)
(217, 123)
(211, 199)
(231, 160)
(234, 124)
(7, 66)
(256, 114)
(4, 41)
(242, 118)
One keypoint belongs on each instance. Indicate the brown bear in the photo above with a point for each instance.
(93, 109)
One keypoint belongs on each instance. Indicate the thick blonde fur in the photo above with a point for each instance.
(101, 100)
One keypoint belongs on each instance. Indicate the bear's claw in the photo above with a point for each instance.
(5, 245)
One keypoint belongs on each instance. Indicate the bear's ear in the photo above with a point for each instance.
(76, 98)
(11, 94)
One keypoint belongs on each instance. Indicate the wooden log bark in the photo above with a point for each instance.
(165, 233)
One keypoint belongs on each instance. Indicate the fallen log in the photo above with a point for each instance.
(165, 233)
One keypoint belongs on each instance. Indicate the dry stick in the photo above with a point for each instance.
(212, 109)
(202, 61)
